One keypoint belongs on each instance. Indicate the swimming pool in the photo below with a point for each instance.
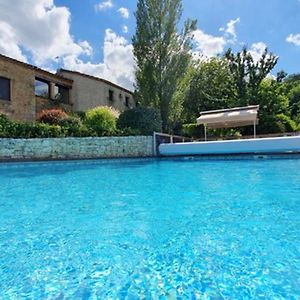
(149, 229)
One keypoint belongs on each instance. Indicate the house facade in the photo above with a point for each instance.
(25, 90)
(89, 92)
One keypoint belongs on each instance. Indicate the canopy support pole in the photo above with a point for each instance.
(205, 133)
(254, 129)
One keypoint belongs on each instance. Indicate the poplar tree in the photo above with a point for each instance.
(162, 53)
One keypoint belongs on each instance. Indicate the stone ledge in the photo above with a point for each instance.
(75, 148)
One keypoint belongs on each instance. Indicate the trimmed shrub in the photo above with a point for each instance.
(38, 130)
(51, 116)
(142, 120)
(73, 127)
(70, 121)
(101, 120)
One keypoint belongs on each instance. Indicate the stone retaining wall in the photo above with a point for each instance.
(75, 148)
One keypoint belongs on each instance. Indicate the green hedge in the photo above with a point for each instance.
(11, 129)
(100, 121)
(74, 127)
(140, 120)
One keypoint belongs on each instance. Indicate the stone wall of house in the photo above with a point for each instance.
(22, 103)
(75, 148)
(89, 92)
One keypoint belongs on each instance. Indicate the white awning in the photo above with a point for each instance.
(233, 117)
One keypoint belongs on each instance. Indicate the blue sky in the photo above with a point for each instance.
(94, 36)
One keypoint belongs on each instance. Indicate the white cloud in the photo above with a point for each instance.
(230, 29)
(271, 76)
(8, 42)
(104, 5)
(43, 30)
(125, 29)
(294, 38)
(124, 12)
(257, 49)
(118, 63)
(210, 45)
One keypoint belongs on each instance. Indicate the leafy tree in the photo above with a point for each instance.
(293, 79)
(162, 53)
(294, 100)
(208, 85)
(274, 114)
(281, 75)
(249, 73)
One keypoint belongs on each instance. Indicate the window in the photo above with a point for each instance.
(61, 93)
(4, 89)
(120, 97)
(41, 88)
(111, 95)
(127, 101)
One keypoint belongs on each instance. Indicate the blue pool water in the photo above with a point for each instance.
(150, 229)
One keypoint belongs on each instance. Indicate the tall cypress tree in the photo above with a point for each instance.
(162, 53)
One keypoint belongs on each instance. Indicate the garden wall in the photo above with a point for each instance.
(75, 148)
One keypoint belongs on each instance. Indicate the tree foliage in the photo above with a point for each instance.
(208, 85)
(141, 119)
(162, 53)
(248, 72)
(239, 80)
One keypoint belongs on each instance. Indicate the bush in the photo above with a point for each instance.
(11, 129)
(38, 130)
(226, 133)
(73, 126)
(70, 121)
(276, 124)
(141, 119)
(127, 132)
(289, 124)
(7, 127)
(51, 116)
(193, 130)
(101, 120)
(79, 114)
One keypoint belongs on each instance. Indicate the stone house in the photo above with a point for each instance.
(25, 90)
(89, 91)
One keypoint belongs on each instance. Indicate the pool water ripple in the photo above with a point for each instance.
(150, 229)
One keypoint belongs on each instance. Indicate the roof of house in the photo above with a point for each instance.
(26, 65)
(96, 78)
(59, 76)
